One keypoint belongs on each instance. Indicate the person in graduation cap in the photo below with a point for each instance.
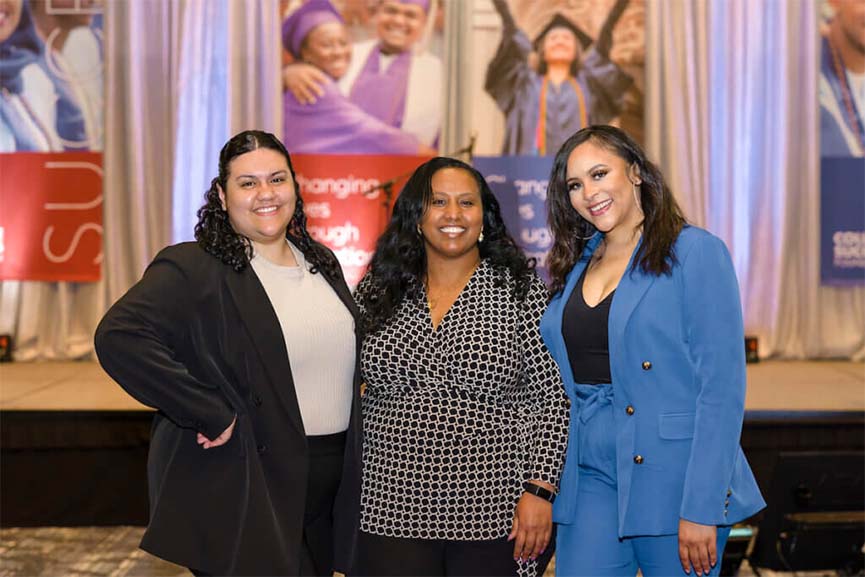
(569, 90)
(315, 34)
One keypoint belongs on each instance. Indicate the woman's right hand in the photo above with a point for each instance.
(223, 437)
(304, 81)
(532, 526)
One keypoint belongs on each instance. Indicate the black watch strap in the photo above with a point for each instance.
(539, 491)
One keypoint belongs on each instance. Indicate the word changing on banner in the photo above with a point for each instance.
(51, 216)
(842, 145)
(348, 200)
(520, 185)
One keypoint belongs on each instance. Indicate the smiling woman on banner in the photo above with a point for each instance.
(646, 326)
(465, 417)
(392, 76)
(315, 34)
(244, 342)
(568, 91)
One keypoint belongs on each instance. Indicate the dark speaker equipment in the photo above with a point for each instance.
(815, 518)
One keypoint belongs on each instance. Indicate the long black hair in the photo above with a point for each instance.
(398, 266)
(214, 232)
(662, 222)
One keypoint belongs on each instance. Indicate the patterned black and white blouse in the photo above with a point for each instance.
(457, 418)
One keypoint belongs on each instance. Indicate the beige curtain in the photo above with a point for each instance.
(456, 122)
(732, 118)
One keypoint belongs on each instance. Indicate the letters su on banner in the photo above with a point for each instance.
(51, 216)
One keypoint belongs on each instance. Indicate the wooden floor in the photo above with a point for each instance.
(772, 386)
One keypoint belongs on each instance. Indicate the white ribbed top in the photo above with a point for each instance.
(319, 335)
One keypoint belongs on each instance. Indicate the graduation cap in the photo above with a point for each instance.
(559, 21)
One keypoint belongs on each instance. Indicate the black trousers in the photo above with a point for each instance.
(325, 471)
(379, 556)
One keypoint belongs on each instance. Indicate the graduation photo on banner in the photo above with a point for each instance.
(543, 71)
(841, 93)
(51, 135)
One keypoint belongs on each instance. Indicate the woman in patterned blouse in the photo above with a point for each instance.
(465, 417)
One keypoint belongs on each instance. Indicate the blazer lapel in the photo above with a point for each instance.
(629, 293)
(556, 310)
(263, 327)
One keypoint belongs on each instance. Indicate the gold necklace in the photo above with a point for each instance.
(433, 302)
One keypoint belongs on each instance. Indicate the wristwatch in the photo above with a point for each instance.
(539, 491)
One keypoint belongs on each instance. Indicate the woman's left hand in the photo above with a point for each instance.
(533, 525)
(697, 546)
(218, 441)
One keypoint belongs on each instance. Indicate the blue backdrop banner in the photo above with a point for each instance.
(520, 185)
(842, 221)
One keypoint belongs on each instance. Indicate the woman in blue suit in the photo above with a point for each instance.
(646, 325)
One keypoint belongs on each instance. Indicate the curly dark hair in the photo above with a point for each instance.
(398, 266)
(217, 237)
(662, 222)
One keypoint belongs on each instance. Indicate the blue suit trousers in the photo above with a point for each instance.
(591, 545)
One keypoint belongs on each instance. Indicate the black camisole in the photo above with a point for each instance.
(584, 329)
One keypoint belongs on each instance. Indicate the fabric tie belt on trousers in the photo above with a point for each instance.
(586, 401)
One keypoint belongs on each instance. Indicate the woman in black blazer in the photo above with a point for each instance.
(244, 342)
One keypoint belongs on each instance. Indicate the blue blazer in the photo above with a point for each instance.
(677, 361)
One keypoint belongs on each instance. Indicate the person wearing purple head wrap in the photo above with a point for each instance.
(387, 76)
(315, 35)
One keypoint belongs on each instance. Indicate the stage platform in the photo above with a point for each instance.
(773, 387)
(73, 444)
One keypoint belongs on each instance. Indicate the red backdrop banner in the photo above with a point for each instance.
(347, 206)
(51, 216)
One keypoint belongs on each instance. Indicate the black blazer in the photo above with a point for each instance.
(201, 342)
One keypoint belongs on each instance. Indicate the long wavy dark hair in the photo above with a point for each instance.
(662, 222)
(214, 232)
(398, 267)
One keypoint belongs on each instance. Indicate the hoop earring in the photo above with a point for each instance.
(639, 204)
(419, 231)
